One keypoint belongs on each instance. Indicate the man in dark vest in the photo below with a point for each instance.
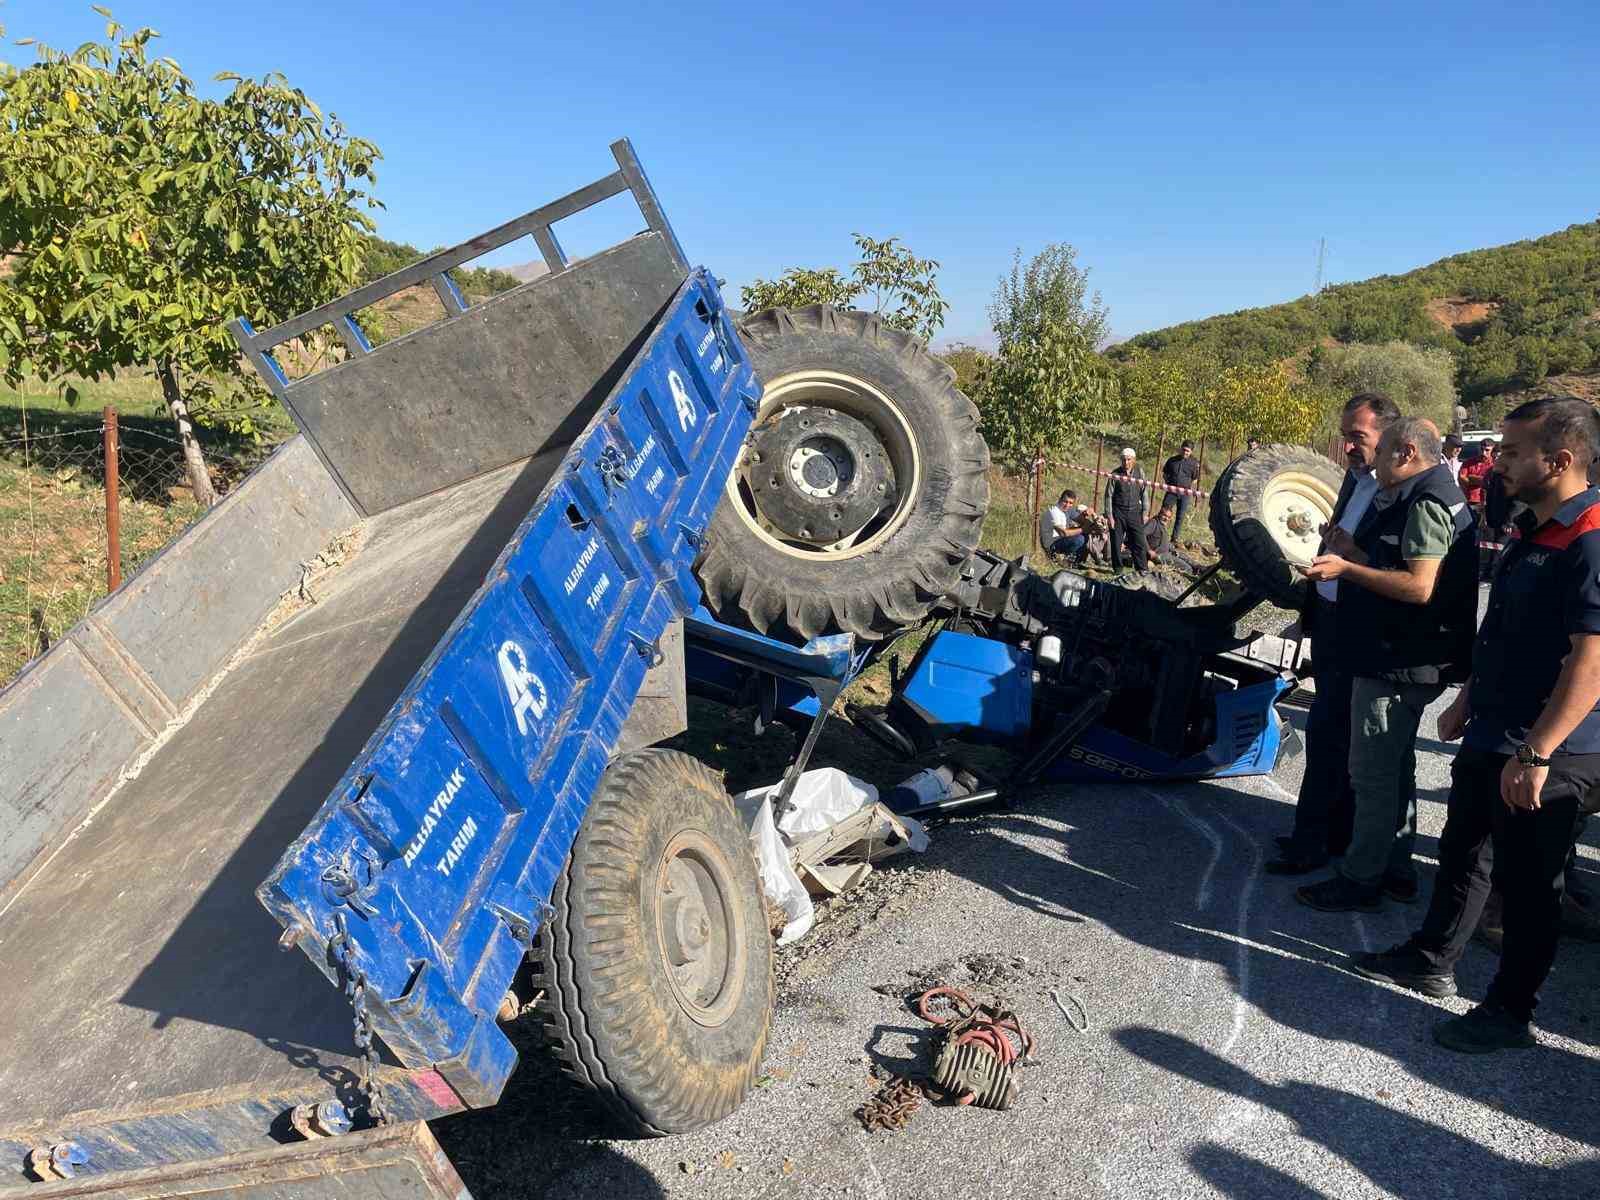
(1529, 766)
(1322, 814)
(1407, 615)
(1125, 494)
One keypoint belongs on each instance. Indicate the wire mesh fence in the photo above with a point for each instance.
(59, 534)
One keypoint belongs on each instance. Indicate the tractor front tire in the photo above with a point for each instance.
(1267, 511)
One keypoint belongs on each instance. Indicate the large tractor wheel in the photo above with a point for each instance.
(863, 486)
(657, 963)
(1267, 511)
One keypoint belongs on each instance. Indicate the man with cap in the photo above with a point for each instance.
(1452, 456)
(1181, 470)
(1125, 508)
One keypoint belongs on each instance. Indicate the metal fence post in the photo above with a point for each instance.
(113, 506)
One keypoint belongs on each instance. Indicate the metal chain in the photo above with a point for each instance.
(355, 990)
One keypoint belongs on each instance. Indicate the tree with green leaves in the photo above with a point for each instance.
(140, 216)
(889, 280)
(1050, 288)
(1043, 392)
(1421, 381)
(971, 365)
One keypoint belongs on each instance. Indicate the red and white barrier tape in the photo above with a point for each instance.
(1148, 483)
(1183, 491)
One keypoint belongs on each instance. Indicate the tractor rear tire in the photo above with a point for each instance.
(1267, 510)
(863, 488)
(656, 964)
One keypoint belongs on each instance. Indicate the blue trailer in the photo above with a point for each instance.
(392, 783)
(431, 772)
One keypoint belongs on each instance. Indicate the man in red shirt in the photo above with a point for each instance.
(1475, 475)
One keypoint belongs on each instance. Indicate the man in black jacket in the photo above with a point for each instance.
(1125, 507)
(1324, 810)
(1181, 470)
(1529, 765)
(1407, 613)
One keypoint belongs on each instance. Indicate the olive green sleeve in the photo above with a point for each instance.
(1430, 529)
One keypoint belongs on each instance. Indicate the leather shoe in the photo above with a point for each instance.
(1296, 864)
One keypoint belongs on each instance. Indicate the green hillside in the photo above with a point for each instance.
(1511, 315)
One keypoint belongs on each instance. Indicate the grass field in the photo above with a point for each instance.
(53, 546)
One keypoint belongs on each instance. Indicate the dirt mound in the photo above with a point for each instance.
(1460, 315)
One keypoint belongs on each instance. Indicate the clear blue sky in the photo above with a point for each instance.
(1193, 153)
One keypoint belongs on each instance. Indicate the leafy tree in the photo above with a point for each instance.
(1043, 392)
(1051, 288)
(1260, 399)
(902, 289)
(1420, 381)
(1164, 396)
(971, 365)
(800, 286)
(380, 257)
(142, 216)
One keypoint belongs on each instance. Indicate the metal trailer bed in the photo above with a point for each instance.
(532, 474)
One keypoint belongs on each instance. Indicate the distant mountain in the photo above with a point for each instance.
(1511, 315)
(523, 272)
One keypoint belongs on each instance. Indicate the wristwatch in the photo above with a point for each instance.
(1525, 754)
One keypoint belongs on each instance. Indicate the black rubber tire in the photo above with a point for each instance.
(1243, 540)
(609, 1007)
(752, 582)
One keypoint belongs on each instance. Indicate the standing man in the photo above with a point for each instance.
(1322, 814)
(1475, 475)
(1530, 758)
(1181, 470)
(1125, 508)
(1252, 443)
(1408, 608)
(1452, 456)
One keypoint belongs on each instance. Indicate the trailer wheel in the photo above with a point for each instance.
(1267, 510)
(863, 486)
(657, 963)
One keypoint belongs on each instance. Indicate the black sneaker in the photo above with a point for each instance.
(1402, 888)
(1405, 966)
(1483, 1030)
(1341, 895)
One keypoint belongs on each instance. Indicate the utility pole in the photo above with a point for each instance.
(1322, 258)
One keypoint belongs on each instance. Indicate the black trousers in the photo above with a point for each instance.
(1324, 815)
(1526, 854)
(1130, 526)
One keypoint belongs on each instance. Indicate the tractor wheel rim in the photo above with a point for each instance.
(889, 425)
(1295, 505)
(700, 929)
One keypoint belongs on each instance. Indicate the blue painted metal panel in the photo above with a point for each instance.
(441, 845)
(972, 687)
(1246, 743)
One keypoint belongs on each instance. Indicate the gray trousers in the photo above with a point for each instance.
(1383, 774)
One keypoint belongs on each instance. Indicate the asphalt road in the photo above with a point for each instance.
(1229, 1051)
